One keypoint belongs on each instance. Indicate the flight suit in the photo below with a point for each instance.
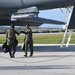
(28, 40)
(10, 35)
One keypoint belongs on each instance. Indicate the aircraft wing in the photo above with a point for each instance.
(44, 20)
(36, 21)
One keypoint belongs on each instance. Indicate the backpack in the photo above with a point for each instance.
(5, 47)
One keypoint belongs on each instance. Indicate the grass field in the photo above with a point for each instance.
(43, 38)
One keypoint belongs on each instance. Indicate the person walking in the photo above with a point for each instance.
(28, 40)
(11, 40)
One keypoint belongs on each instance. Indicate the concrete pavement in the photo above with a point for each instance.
(47, 60)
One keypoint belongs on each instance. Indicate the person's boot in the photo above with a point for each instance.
(13, 56)
(30, 55)
(10, 56)
(25, 55)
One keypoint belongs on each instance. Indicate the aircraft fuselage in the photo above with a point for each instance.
(41, 4)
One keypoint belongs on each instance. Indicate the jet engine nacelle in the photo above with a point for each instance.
(24, 16)
(25, 13)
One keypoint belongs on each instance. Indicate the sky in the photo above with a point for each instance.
(55, 14)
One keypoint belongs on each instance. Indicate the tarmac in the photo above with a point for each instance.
(47, 60)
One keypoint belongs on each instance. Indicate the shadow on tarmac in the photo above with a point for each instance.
(53, 48)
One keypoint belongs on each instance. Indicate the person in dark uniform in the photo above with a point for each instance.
(11, 37)
(28, 40)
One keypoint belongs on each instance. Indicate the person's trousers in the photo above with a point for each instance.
(30, 46)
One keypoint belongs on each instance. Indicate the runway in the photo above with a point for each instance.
(47, 60)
